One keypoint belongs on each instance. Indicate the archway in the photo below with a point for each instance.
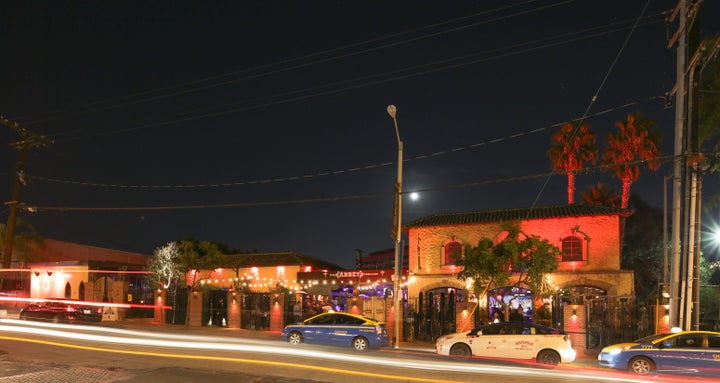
(504, 300)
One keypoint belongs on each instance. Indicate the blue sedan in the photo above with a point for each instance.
(337, 328)
(686, 352)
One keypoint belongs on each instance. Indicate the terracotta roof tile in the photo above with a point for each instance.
(537, 212)
(277, 259)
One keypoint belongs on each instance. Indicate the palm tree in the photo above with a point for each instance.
(635, 141)
(26, 243)
(602, 195)
(573, 145)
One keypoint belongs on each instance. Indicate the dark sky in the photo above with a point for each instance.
(263, 124)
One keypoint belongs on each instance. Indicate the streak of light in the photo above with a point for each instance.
(84, 303)
(268, 348)
(236, 360)
(86, 271)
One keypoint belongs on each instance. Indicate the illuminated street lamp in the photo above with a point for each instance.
(397, 230)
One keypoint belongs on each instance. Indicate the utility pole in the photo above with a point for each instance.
(680, 37)
(28, 140)
(685, 282)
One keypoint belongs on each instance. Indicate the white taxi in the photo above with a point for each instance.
(509, 341)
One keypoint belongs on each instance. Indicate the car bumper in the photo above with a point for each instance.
(567, 355)
(607, 360)
(442, 349)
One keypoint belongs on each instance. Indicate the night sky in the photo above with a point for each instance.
(263, 124)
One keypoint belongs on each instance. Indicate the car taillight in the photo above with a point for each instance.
(70, 309)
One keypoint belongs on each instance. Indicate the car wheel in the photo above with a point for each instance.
(548, 357)
(295, 338)
(360, 344)
(641, 365)
(460, 350)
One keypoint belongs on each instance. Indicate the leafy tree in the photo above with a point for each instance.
(643, 248)
(193, 258)
(164, 266)
(26, 242)
(573, 145)
(601, 194)
(634, 141)
(196, 256)
(519, 260)
(709, 102)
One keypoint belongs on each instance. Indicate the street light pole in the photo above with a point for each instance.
(397, 231)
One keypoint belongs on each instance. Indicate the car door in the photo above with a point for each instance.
(346, 327)
(523, 341)
(315, 329)
(683, 353)
(491, 342)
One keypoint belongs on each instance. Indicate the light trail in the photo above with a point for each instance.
(84, 303)
(267, 347)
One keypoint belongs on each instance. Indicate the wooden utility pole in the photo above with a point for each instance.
(28, 140)
(680, 37)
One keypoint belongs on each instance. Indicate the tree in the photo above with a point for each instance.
(163, 265)
(519, 260)
(26, 243)
(196, 256)
(634, 141)
(708, 101)
(193, 258)
(601, 194)
(573, 145)
(642, 248)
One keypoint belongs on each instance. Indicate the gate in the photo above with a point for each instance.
(215, 308)
(255, 314)
(430, 316)
(178, 299)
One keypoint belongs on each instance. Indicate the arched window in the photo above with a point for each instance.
(572, 249)
(81, 291)
(68, 290)
(451, 248)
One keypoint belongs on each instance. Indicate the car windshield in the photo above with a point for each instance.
(650, 338)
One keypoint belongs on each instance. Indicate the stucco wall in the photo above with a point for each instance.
(601, 252)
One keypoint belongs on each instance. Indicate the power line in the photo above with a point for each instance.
(333, 172)
(312, 55)
(369, 80)
(587, 170)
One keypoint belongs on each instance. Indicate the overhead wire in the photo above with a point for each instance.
(331, 172)
(594, 97)
(587, 170)
(296, 59)
(365, 81)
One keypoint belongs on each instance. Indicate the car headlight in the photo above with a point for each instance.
(618, 350)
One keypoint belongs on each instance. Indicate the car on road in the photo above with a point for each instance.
(62, 310)
(338, 328)
(684, 352)
(514, 340)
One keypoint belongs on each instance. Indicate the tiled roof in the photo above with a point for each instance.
(538, 212)
(277, 259)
